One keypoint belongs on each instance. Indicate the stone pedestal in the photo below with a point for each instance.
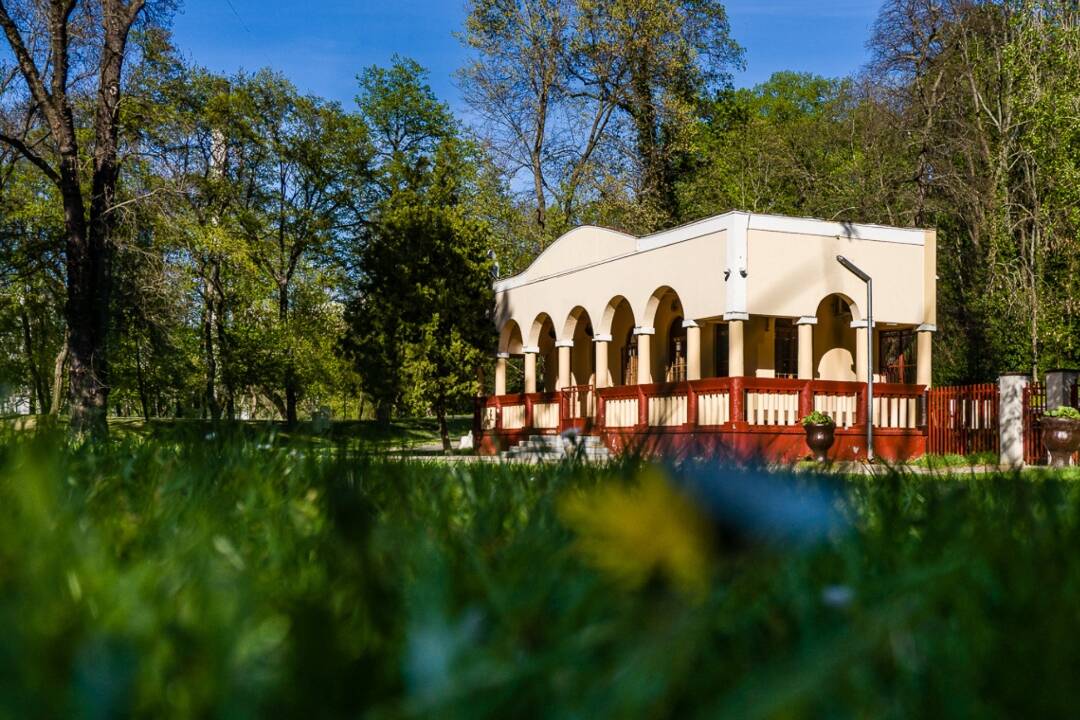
(1011, 419)
(1059, 387)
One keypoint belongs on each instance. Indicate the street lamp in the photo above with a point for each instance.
(850, 267)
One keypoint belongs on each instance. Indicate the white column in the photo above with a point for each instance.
(693, 350)
(564, 347)
(861, 349)
(530, 367)
(601, 371)
(736, 331)
(923, 354)
(500, 373)
(806, 346)
(644, 358)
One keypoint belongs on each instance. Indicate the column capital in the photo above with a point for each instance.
(502, 356)
(601, 338)
(639, 330)
(927, 327)
(807, 320)
(729, 316)
(859, 324)
(564, 343)
(691, 324)
(531, 349)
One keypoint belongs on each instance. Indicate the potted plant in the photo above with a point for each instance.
(820, 434)
(1061, 434)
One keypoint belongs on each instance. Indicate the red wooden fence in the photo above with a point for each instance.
(1034, 407)
(963, 419)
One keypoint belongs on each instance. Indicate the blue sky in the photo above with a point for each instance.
(322, 44)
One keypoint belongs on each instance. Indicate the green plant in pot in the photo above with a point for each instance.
(820, 434)
(1061, 434)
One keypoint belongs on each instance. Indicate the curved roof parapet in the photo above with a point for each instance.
(590, 244)
(584, 245)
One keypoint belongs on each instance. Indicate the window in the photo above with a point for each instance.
(720, 349)
(896, 355)
(629, 359)
(676, 357)
(785, 348)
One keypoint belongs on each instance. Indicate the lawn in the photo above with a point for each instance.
(166, 576)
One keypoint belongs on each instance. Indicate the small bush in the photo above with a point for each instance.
(1065, 412)
(818, 418)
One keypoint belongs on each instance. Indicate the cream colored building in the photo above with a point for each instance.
(738, 294)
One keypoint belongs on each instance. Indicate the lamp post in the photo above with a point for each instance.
(850, 267)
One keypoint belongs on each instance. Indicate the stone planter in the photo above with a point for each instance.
(1061, 438)
(819, 438)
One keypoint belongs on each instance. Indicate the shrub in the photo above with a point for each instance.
(818, 418)
(1065, 412)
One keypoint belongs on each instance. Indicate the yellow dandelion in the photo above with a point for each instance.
(636, 532)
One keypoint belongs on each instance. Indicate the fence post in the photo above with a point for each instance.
(1059, 387)
(1011, 418)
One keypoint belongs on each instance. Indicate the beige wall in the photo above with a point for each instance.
(735, 264)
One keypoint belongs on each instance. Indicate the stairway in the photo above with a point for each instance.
(554, 448)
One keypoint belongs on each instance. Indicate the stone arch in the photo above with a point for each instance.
(664, 313)
(542, 336)
(834, 338)
(510, 339)
(618, 323)
(655, 304)
(578, 328)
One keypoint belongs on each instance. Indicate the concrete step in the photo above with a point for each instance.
(553, 448)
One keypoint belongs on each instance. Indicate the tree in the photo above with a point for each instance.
(54, 94)
(419, 319)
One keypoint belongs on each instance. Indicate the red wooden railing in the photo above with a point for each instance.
(963, 419)
(730, 403)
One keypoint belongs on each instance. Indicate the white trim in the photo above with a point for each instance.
(812, 226)
(736, 316)
(807, 320)
(644, 330)
(601, 338)
(926, 327)
(737, 255)
(531, 350)
(689, 231)
(502, 356)
(690, 324)
(564, 343)
(859, 324)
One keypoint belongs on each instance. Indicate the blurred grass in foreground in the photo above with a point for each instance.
(236, 577)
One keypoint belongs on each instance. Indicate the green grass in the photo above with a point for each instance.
(400, 434)
(954, 461)
(234, 577)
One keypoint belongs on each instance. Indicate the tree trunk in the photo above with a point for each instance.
(39, 394)
(87, 319)
(58, 378)
(444, 429)
(141, 381)
(291, 392)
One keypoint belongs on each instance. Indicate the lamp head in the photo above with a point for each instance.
(850, 267)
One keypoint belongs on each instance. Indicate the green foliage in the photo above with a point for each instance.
(215, 576)
(1064, 411)
(817, 418)
(420, 326)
